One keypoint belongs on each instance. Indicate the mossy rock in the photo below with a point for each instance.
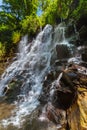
(13, 91)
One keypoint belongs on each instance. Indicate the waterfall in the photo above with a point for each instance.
(32, 64)
(77, 33)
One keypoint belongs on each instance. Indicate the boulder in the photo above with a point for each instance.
(58, 116)
(69, 30)
(65, 92)
(12, 91)
(83, 33)
(63, 51)
(84, 56)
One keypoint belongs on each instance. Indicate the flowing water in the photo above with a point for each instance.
(30, 68)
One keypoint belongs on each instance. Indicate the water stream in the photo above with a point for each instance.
(32, 64)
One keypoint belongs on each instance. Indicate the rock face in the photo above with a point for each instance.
(77, 114)
(84, 56)
(68, 102)
(82, 103)
(12, 90)
(82, 29)
(83, 32)
(62, 51)
(83, 52)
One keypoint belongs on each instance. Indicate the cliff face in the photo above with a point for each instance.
(68, 107)
(77, 114)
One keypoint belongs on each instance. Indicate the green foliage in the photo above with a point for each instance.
(57, 9)
(30, 24)
(5, 33)
(16, 37)
(2, 50)
(3, 27)
(19, 17)
(80, 11)
(12, 14)
(20, 9)
(50, 12)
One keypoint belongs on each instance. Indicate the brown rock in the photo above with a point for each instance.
(84, 57)
(77, 114)
(74, 117)
(6, 110)
(63, 51)
(82, 103)
(58, 116)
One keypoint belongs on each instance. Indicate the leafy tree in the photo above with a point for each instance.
(12, 14)
(2, 50)
(19, 17)
(49, 8)
(20, 9)
(30, 24)
(80, 11)
(54, 10)
(16, 37)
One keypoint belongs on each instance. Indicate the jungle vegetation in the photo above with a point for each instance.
(18, 18)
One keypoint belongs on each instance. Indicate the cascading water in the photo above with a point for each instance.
(32, 64)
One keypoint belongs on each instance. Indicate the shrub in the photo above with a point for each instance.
(16, 37)
(2, 50)
(30, 24)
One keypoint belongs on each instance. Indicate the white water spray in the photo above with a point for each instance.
(33, 63)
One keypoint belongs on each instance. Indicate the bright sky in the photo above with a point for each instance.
(0, 2)
(39, 12)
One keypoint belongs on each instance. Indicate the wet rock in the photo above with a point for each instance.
(84, 57)
(6, 89)
(14, 59)
(67, 79)
(82, 29)
(55, 115)
(83, 81)
(84, 64)
(74, 60)
(38, 125)
(82, 21)
(83, 33)
(13, 91)
(65, 93)
(82, 50)
(69, 97)
(63, 51)
(34, 122)
(60, 64)
(51, 76)
(63, 100)
(31, 122)
(69, 30)
(58, 116)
